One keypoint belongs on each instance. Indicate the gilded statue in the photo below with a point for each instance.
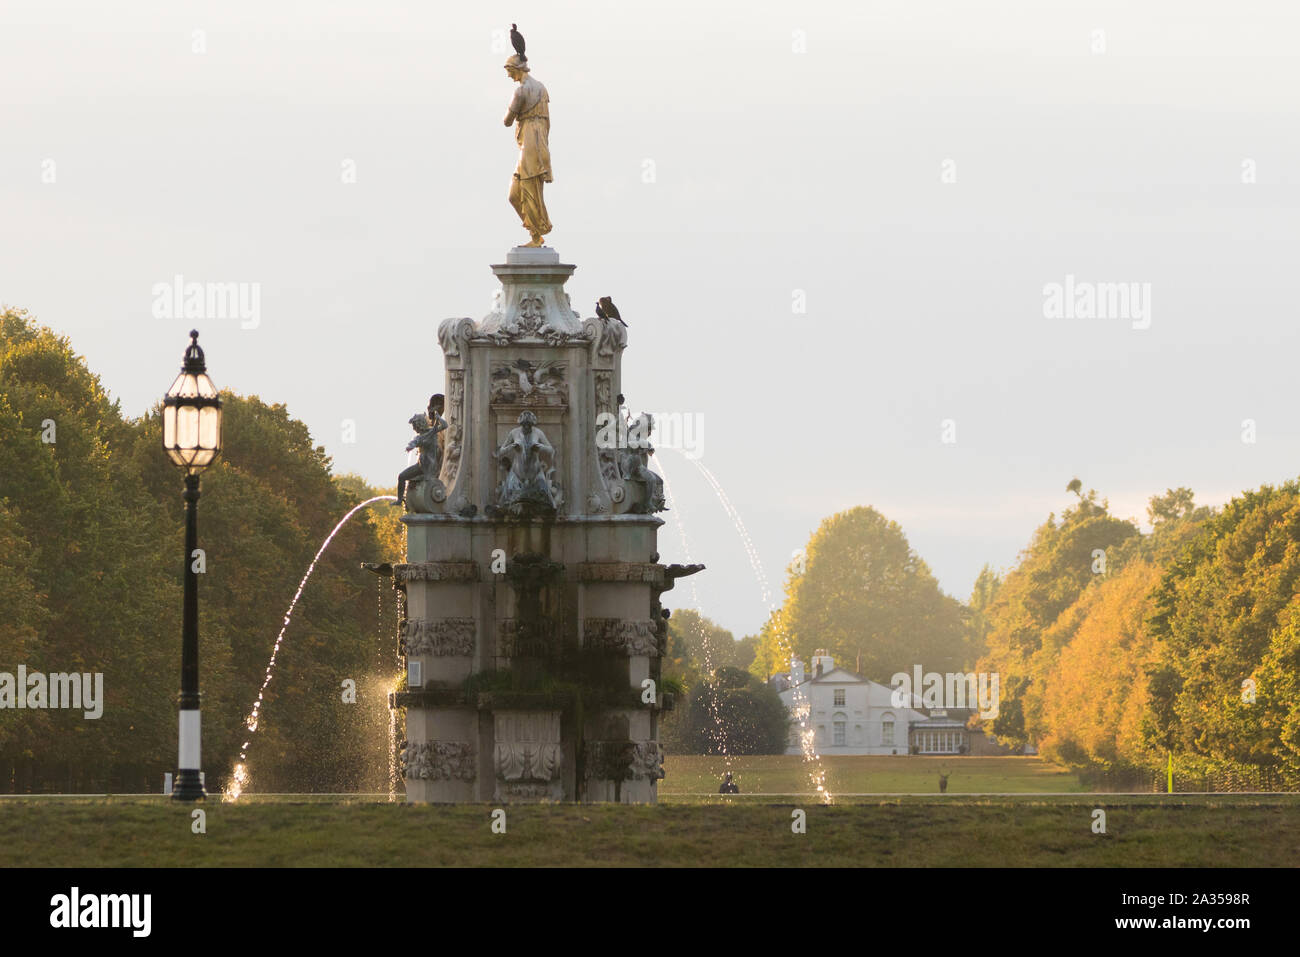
(530, 114)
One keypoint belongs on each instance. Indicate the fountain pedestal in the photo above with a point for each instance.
(532, 578)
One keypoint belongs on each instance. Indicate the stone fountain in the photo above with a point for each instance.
(533, 630)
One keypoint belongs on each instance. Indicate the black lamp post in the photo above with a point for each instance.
(192, 439)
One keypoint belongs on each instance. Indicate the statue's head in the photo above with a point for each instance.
(516, 67)
(419, 422)
(527, 420)
(437, 403)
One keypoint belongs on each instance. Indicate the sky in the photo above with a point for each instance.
(835, 231)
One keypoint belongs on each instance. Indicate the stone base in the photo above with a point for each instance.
(440, 792)
(626, 792)
(528, 792)
(532, 256)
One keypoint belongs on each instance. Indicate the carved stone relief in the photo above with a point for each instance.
(440, 636)
(621, 635)
(436, 572)
(439, 761)
(527, 745)
(529, 382)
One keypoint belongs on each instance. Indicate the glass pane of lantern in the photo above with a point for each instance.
(187, 427)
(209, 433)
(203, 386)
(169, 426)
(203, 458)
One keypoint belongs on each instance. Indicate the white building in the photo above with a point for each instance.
(849, 714)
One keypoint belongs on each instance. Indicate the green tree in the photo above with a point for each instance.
(697, 646)
(733, 713)
(91, 541)
(982, 594)
(864, 592)
(1225, 613)
(1173, 505)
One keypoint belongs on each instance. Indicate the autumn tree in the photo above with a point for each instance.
(1062, 559)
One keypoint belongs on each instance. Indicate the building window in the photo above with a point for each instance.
(887, 732)
(940, 742)
(839, 734)
(839, 697)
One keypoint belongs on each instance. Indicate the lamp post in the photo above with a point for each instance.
(192, 440)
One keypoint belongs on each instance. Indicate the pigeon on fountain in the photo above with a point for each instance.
(605, 309)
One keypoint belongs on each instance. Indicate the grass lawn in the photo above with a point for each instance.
(692, 826)
(866, 774)
(1157, 831)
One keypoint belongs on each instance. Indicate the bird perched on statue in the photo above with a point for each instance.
(517, 41)
(606, 309)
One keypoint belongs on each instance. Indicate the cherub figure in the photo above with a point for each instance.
(634, 464)
(429, 439)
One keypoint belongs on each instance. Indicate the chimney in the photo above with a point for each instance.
(823, 663)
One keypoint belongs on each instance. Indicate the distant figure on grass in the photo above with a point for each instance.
(943, 781)
(728, 786)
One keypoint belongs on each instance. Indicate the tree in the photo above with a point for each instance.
(1095, 694)
(698, 646)
(982, 594)
(90, 549)
(1173, 505)
(1225, 612)
(733, 713)
(865, 592)
(1061, 560)
(91, 540)
(771, 647)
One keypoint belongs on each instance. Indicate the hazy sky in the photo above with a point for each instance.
(916, 175)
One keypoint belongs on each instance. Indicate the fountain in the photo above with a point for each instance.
(807, 733)
(239, 776)
(533, 628)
